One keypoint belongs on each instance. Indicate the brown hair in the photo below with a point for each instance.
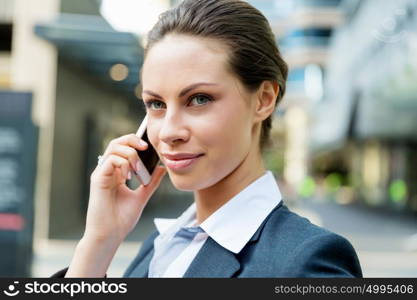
(254, 55)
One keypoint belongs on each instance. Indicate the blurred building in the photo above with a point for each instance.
(306, 48)
(6, 15)
(349, 112)
(84, 77)
(303, 30)
(365, 126)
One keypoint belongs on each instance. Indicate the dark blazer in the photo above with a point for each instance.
(285, 245)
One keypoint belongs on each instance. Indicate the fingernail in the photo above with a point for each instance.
(129, 175)
(137, 167)
(143, 143)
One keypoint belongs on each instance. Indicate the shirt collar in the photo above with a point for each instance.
(168, 227)
(234, 223)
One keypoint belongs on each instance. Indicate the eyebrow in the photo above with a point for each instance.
(183, 92)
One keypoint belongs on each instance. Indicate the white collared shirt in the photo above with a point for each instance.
(231, 226)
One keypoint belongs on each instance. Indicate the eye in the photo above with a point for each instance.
(154, 104)
(200, 99)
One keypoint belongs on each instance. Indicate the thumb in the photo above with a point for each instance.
(156, 179)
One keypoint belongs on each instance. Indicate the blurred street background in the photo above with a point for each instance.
(344, 147)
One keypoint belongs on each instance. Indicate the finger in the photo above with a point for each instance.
(156, 179)
(130, 140)
(126, 152)
(145, 192)
(113, 162)
(125, 168)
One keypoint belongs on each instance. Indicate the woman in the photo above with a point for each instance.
(211, 79)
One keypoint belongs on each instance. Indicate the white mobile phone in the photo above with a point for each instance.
(148, 159)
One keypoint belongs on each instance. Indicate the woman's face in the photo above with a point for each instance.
(196, 106)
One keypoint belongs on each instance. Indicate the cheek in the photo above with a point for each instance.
(152, 132)
(234, 120)
(228, 131)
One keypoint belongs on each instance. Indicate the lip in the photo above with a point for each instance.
(179, 161)
(180, 156)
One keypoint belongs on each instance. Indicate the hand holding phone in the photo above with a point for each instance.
(113, 208)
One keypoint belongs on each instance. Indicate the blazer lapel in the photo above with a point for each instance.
(213, 261)
(142, 269)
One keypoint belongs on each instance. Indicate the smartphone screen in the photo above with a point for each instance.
(149, 156)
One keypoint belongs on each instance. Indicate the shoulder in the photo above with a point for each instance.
(302, 249)
(282, 223)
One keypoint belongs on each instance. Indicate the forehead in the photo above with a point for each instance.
(179, 58)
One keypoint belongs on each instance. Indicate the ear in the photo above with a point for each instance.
(266, 97)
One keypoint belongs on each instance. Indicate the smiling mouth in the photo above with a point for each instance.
(178, 164)
(180, 156)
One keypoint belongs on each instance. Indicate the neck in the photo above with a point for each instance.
(212, 198)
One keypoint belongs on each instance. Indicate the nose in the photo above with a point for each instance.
(174, 129)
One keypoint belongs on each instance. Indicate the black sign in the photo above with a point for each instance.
(18, 152)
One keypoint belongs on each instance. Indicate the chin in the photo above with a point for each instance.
(186, 183)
